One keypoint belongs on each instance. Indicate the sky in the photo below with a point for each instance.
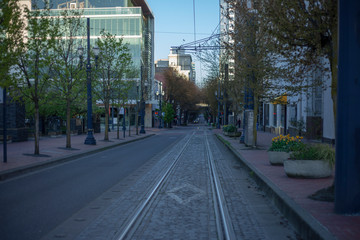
(174, 25)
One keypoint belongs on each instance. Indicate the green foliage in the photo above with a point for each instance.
(286, 143)
(229, 128)
(315, 152)
(11, 37)
(169, 113)
(113, 64)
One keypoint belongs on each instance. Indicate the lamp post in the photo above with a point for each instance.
(142, 129)
(160, 94)
(218, 95)
(90, 140)
(137, 108)
(4, 126)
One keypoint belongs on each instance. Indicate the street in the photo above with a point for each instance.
(96, 196)
(32, 205)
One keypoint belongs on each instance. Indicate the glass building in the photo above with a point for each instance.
(131, 20)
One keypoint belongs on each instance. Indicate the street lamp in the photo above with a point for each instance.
(90, 140)
(160, 93)
(219, 96)
(142, 101)
(137, 108)
(142, 129)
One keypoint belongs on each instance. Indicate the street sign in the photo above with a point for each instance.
(122, 111)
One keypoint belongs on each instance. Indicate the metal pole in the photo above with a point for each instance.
(112, 116)
(142, 129)
(124, 128)
(90, 140)
(137, 111)
(4, 125)
(347, 170)
(160, 125)
(218, 99)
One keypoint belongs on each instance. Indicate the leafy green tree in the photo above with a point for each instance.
(169, 113)
(32, 73)
(11, 37)
(120, 97)
(68, 73)
(113, 64)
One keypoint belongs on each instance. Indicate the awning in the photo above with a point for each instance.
(280, 100)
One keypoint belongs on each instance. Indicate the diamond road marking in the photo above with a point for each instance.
(185, 193)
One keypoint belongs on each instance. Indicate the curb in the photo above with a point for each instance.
(11, 173)
(306, 225)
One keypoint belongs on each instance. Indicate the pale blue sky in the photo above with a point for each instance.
(174, 22)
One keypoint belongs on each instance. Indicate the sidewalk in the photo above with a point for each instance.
(21, 159)
(290, 195)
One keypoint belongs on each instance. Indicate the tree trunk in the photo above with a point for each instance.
(129, 119)
(37, 128)
(106, 137)
(68, 119)
(137, 119)
(256, 107)
(118, 124)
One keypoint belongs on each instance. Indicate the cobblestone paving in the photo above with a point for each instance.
(104, 217)
(183, 208)
(253, 216)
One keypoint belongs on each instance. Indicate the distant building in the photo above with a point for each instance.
(161, 65)
(182, 62)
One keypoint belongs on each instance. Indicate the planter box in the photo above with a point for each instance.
(307, 168)
(278, 158)
(234, 134)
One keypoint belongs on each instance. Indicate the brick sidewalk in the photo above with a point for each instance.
(20, 156)
(298, 190)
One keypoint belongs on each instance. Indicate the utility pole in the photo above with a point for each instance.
(347, 170)
(4, 126)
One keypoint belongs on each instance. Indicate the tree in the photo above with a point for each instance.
(114, 62)
(11, 37)
(32, 73)
(169, 113)
(211, 85)
(120, 97)
(305, 33)
(67, 73)
(257, 76)
(180, 91)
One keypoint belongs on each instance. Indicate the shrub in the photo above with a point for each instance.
(315, 152)
(229, 128)
(286, 143)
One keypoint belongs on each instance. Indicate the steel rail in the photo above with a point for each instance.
(151, 196)
(219, 199)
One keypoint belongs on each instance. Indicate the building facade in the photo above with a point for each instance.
(181, 61)
(131, 20)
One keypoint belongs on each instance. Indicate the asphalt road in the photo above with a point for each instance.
(32, 205)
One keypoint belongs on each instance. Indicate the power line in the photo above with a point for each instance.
(194, 20)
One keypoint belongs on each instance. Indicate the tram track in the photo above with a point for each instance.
(223, 221)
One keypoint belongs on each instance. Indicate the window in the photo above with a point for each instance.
(283, 112)
(266, 113)
(274, 115)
